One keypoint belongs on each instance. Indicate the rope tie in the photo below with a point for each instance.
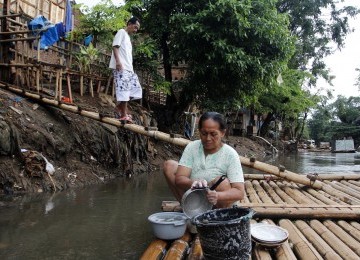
(312, 177)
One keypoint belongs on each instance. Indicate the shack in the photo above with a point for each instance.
(343, 146)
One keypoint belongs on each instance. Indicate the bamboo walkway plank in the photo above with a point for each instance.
(343, 236)
(340, 247)
(320, 245)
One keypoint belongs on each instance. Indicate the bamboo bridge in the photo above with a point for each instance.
(320, 212)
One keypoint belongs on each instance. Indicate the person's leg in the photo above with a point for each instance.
(223, 186)
(122, 108)
(169, 169)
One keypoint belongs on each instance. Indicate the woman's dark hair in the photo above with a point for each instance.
(133, 20)
(217, 117)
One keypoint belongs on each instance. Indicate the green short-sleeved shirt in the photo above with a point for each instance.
(226, 161)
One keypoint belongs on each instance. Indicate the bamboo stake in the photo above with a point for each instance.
(302, 248)
(343, 236)
(196, 252)
(350, 229)
(68, 82)
(155, 250)
(60, 84)
(341, 248)
(91, 88)
(179, 247)
(81, 85)
(321, 246)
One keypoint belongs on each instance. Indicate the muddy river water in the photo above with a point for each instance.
(110, 221)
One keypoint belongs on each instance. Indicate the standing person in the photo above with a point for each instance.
(127, 85)
(204, 161)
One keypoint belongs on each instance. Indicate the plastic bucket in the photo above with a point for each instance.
(225, 233)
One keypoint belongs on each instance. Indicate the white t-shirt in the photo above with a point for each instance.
(226, 161)
(122, 39)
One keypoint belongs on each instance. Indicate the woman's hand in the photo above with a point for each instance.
(212, 196)
(199, 184)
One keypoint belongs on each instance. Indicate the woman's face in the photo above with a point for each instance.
(211, 135)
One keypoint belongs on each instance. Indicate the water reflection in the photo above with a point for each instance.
(110, 221)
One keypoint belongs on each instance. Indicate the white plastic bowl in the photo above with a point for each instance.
(168, 225)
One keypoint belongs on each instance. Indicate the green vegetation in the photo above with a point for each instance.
(266, 55)
(337, 120)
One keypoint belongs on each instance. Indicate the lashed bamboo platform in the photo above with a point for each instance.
(320, 225)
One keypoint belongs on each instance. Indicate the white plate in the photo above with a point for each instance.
(268, 233)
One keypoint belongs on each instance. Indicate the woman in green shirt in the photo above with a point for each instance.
(204, 161)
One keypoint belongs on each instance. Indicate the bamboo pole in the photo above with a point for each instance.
(179, 247)
(322, 198)
(343, 236)
(345, 189)
(350, 229)
(295, 194)
(332, 197)
(355, 225)
(282, 194)
(335, 176)
(340, 247)
(253, 197)
(276, 198)
(305, 213)
(301, 246)
(155, 250)
(320, 245)
(340, 195)
(81, 85)
(352, 186)
(261, 193)
(355, 182)
(196, 252)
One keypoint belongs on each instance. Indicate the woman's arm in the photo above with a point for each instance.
(225, 196)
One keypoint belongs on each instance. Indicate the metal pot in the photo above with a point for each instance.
(195, 202)
(168, 225)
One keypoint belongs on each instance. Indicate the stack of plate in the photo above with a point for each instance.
(268, 235)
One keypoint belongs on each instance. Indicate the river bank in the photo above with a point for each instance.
(77, 150)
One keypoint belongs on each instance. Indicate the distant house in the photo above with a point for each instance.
(343, 146)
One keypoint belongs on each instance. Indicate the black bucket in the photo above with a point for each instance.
(225, 233)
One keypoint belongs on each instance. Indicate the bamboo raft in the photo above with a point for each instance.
(320, 225)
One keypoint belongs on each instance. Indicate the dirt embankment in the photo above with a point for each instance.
(43, 148)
